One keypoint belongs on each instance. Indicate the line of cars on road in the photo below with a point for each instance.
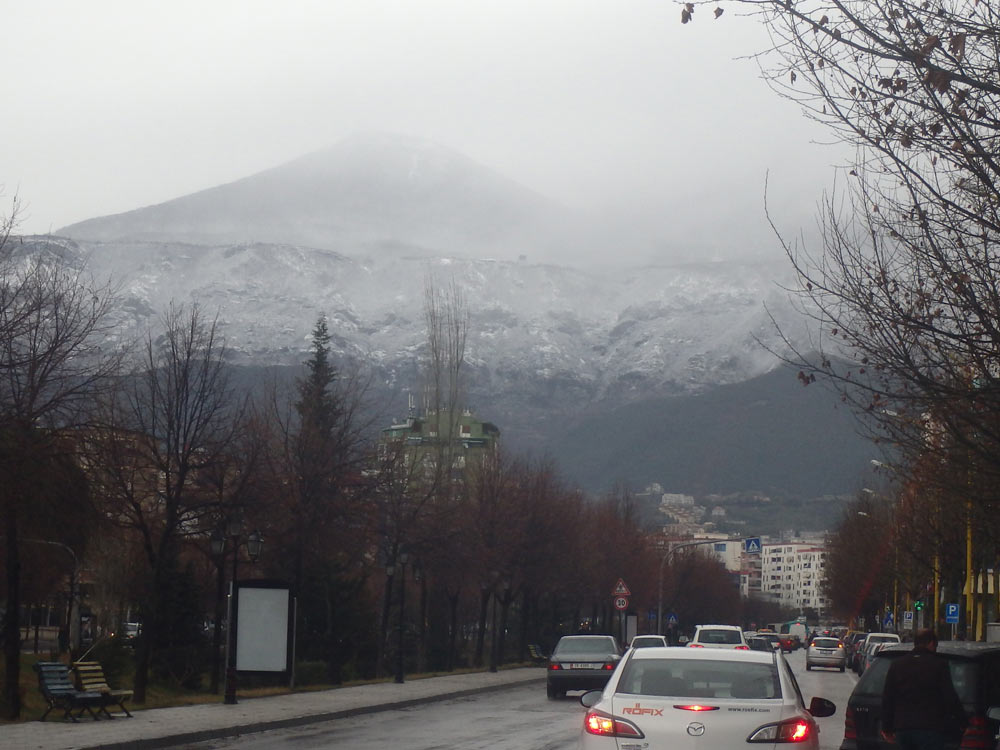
(715, 693)
(721, 692)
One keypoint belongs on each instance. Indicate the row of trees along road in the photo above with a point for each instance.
(904, 289)
(130, 456)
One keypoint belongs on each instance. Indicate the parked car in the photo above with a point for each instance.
(647, 641)
(975, 672)
(718, 636)
(826, 652)
(869, 656)
(787, 643)
(581, 662)
(851, 641)
(711, 698)
(858, 664)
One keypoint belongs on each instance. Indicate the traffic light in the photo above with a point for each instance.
(918, 604)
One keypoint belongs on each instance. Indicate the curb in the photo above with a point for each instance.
(297, 721)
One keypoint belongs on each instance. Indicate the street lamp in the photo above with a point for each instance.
(663, 561)
(403, 558)
(494, 644)
(234, 529)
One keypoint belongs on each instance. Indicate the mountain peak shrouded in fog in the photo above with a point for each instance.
(369, 190)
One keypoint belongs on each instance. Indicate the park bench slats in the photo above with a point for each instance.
(59, 692)
(90, 677)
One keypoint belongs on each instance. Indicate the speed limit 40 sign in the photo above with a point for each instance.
(621, 602)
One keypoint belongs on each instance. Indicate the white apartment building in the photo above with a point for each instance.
(792, 574)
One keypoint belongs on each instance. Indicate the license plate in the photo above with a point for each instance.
(825, 651)
(581, 665)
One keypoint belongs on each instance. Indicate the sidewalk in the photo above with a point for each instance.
(166, 727)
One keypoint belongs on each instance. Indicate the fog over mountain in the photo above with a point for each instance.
(356, 231)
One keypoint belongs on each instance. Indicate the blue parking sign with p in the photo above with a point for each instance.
(951, 613)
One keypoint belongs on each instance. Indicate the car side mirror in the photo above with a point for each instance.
(993, 713)
(590, 698)
(820, 707)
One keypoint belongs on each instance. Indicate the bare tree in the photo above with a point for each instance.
(905, 283)
(168, 430)
(55, 354)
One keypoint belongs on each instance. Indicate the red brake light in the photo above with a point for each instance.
(597, 722)
(695, 645)
(794, 730)
(610, 665)
(742, 648)
(697, 707)
(850, 730)
(554, 666)
(976, 736)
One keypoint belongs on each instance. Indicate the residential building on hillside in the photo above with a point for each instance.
(792, 574)
(425, 438)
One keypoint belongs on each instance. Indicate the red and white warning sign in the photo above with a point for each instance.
(621, 589)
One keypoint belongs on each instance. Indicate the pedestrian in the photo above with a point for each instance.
(920, 708)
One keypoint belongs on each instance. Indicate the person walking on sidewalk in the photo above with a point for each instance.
(920, 708)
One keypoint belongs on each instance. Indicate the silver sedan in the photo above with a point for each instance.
(826, 652)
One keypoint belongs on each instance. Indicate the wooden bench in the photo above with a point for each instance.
(90, 677)
(55, 686)
(536, 653)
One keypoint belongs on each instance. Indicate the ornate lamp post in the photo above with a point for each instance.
(403, 558)
(255, 542)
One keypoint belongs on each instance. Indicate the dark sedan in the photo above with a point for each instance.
(581, 662)
(974, 672)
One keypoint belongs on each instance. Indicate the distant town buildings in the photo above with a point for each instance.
(788, 572)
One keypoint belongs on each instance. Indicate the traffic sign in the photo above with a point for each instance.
(671, 619)
(887, 621)
(951, 613)
(908, 620)
(621, 603)
(621, 589)
(752, 545)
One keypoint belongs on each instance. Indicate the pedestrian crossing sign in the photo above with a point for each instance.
(752, 545)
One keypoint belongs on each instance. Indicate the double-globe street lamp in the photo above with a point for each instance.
(254, 543)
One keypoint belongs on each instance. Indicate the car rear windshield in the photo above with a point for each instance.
(585, 646)
(964, 674)
(882, 639)
(720, 636)
(825, 642)
(692, 678)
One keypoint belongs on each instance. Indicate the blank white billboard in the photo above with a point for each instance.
(262, 629)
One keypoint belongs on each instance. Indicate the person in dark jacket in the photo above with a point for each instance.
(920, 708)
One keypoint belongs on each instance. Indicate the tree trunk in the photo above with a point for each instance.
(484, 601)
(383, 632)
(12, 630)
(452, 630)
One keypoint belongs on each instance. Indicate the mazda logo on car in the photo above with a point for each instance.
(696, 729)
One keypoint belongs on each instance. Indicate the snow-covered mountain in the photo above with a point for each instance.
(356, 232)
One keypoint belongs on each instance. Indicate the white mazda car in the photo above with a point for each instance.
(688, 699)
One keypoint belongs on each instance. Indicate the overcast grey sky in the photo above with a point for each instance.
(611, 105)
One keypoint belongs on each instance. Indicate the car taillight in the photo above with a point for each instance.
(600, 723)
(850, 730)
(742, 648)
(554, 666)
(695, 645)
(697, 707)
(976, 735)
(794, 730)
(610, 665)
